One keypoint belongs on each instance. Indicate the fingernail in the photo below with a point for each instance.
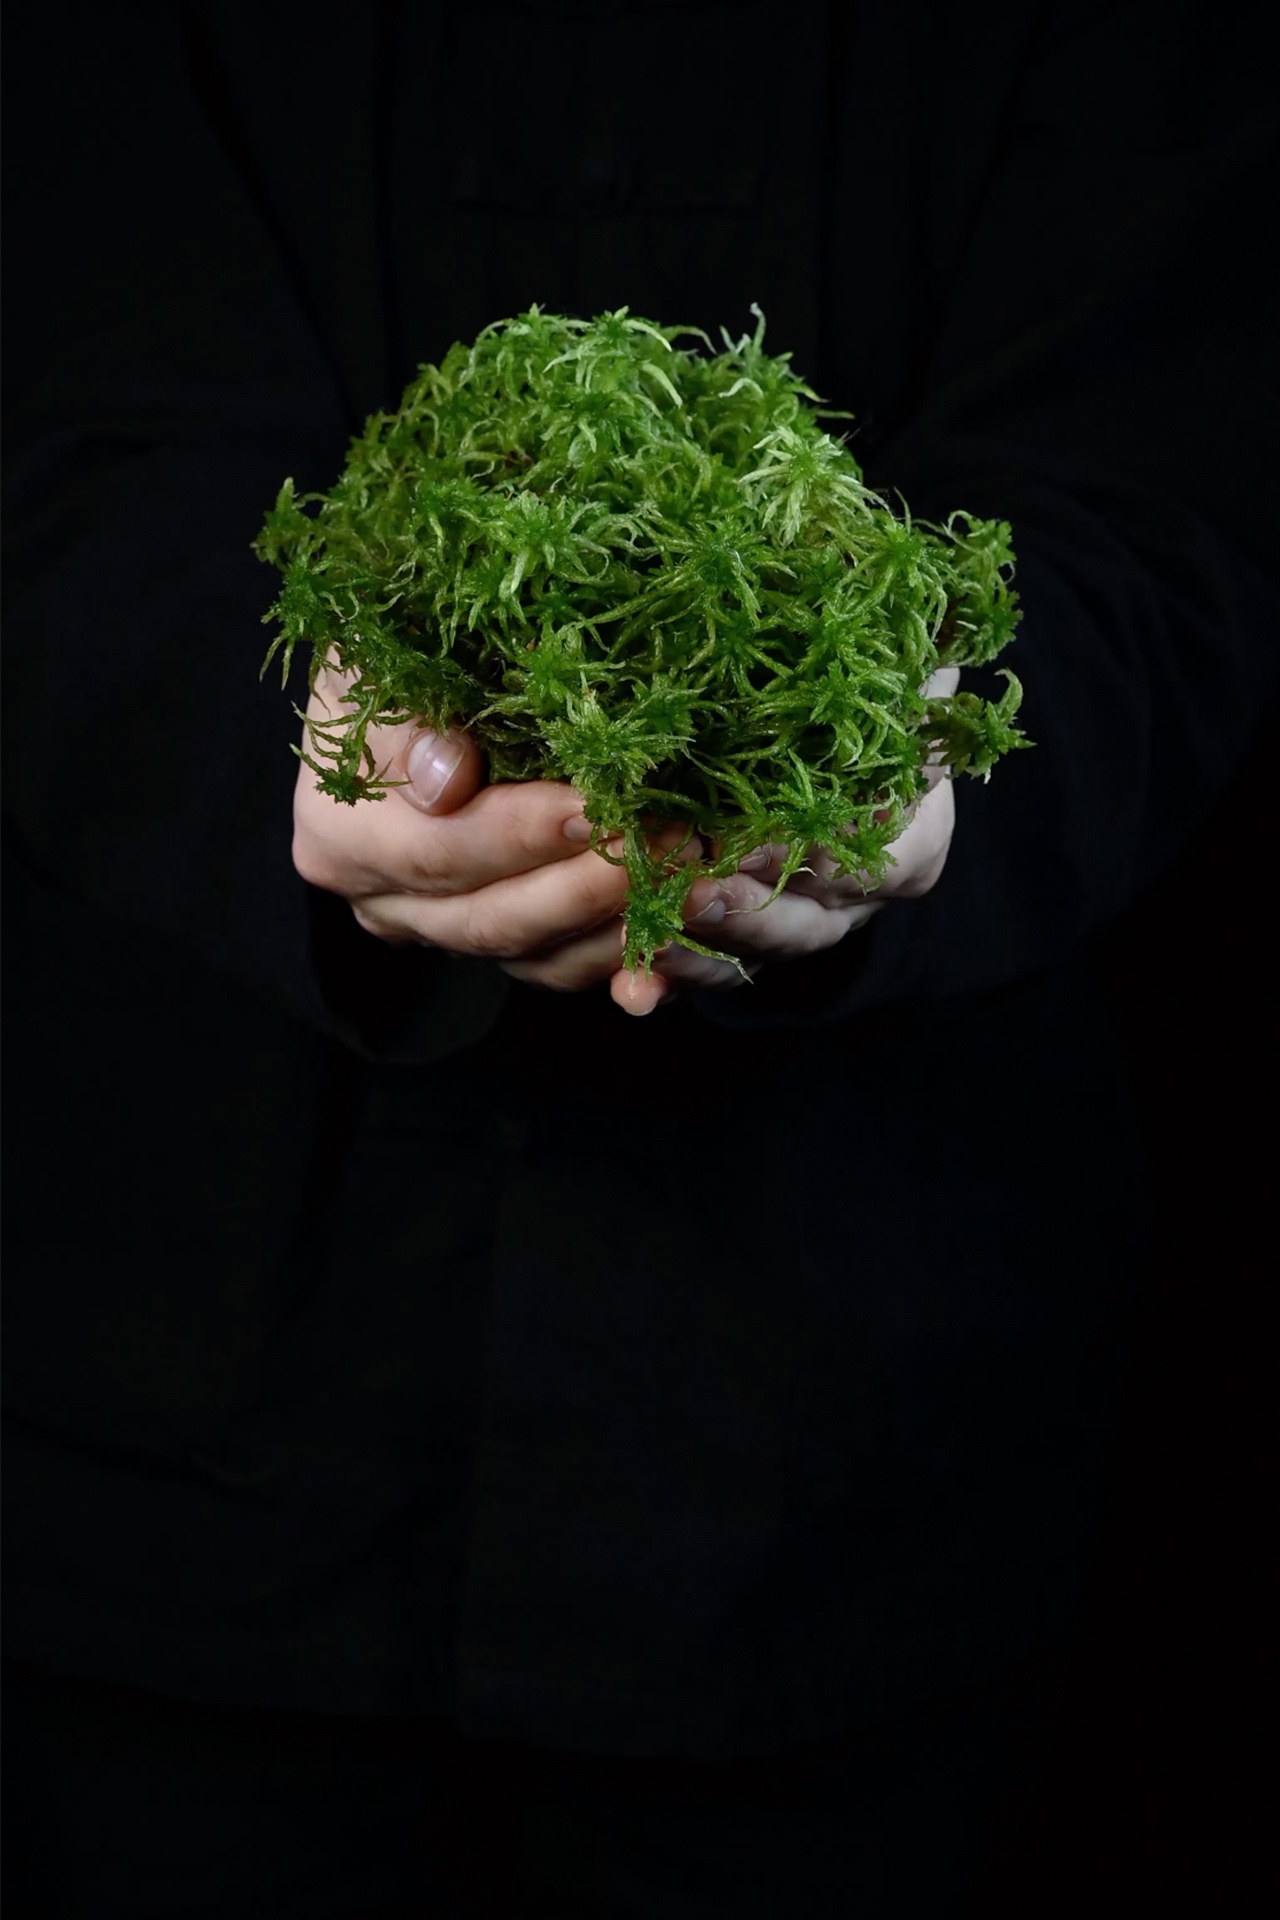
(578, 828)
(756, 862)
(433, 759)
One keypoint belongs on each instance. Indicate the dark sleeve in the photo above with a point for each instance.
(1102, 374)
(166, 368)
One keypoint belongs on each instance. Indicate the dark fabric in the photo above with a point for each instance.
(125, 1804)
(489, 1398)
(385, 1339)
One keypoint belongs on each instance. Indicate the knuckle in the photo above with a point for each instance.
(368, 918)
(594, 893)
(437, 870)
(311, 859)
(922, 879)
(487, 934)
(517, 817)
(372, 922)
(529, 837)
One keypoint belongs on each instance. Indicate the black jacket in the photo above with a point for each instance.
(387, 1337)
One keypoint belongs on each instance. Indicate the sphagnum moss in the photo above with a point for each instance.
(647, 570)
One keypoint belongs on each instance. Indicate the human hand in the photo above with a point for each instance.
(500, 872)
(737, 915)
(815, 910)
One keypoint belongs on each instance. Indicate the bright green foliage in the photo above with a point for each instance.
(648, 571)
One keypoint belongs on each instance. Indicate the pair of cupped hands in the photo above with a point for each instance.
(505, 872)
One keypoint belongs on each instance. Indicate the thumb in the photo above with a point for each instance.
(443, 770)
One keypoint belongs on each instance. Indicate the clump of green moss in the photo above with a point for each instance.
(647, 570)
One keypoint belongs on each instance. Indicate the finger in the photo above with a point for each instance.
(379, 846)
(441, 771)
(637, 993)
(515, 918)
(677, 966)
(755, 925)
(434, 772)
(916, 857)
(475, 838)
(818, 879)
(940, 685)
(920, 853)
(389, 846)
(822, 880)
(575, 964)
(586, 959)
(512, 918)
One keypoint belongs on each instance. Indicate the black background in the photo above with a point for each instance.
(1145, 1787)
(1142, 1786)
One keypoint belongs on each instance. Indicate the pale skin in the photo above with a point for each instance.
(503, 873)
